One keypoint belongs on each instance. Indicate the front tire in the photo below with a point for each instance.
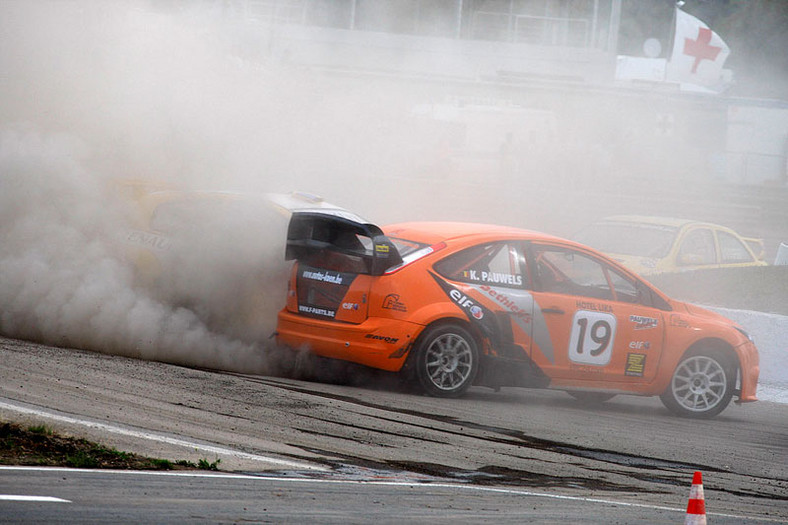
(447, 360)
(701, 387)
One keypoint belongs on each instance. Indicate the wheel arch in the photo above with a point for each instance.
(711, 344)
(717, 346)
(441, 321)
(695, 390)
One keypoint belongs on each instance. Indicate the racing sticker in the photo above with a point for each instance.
(316, 310)
(149, 240)
(600, 307)
(475, 311)
(384, 338)
(643, 323)
(325, 276)
(593, 334)
(636, 365)
(392, 302)
(493, 277)
(519, 304)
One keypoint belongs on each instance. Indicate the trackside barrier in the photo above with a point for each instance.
(782, 255)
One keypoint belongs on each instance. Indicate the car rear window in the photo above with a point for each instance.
(406, 247)
(492, 264)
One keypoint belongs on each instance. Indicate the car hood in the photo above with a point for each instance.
(699, 312)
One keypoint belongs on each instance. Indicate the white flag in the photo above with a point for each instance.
(698, 53)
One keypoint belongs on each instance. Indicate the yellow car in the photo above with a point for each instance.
(651, 245)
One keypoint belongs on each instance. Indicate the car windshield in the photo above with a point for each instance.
(640, 239)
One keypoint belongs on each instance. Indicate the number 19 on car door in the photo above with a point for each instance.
(592, 338)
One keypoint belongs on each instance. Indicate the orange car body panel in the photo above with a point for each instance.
(578, 342)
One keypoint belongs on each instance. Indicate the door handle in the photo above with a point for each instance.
(553, 310)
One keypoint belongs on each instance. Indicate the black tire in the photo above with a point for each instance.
(591, 398)
(447, 360)
(702, 385)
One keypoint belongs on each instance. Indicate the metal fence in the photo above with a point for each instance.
(537, 30)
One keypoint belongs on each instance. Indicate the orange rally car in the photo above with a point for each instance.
(456, 304)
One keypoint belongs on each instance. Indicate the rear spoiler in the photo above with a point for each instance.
(312, 232)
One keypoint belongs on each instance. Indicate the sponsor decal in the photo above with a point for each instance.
(636, 365)
(325, 277)
(507, 302)
(466, 303)
(315, 310)
(350, 306)
(392, 302)
(148, 240)
(598, 307)
(382, 248)
(384, 338)
(475, 311)
(493, 277)
(586, 369)
(639, 345)
(643, 323)
(677, 320)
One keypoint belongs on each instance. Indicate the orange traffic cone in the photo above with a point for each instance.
(696, 507)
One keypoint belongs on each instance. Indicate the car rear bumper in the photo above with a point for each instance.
(377, 342)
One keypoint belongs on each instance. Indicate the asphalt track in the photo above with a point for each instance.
(299, 451)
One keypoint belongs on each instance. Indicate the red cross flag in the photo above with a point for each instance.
(698, 53)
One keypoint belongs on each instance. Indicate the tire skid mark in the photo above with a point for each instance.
(673, 473)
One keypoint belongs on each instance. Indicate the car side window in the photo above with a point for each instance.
(732, 250)
(697, 248)
(492, 264)
(625, 289)
(566, 271)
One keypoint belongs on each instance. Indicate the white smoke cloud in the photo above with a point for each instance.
(95, 93)
(100, 92)
(64, 279)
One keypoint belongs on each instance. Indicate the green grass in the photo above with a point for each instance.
(40, 445)
(81, 459)
(40, 429)
(203, 464)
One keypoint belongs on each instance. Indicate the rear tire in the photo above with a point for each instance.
(447, 360)
(701, 386)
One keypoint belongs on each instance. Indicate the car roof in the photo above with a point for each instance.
(659, 221)
(434, 232)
